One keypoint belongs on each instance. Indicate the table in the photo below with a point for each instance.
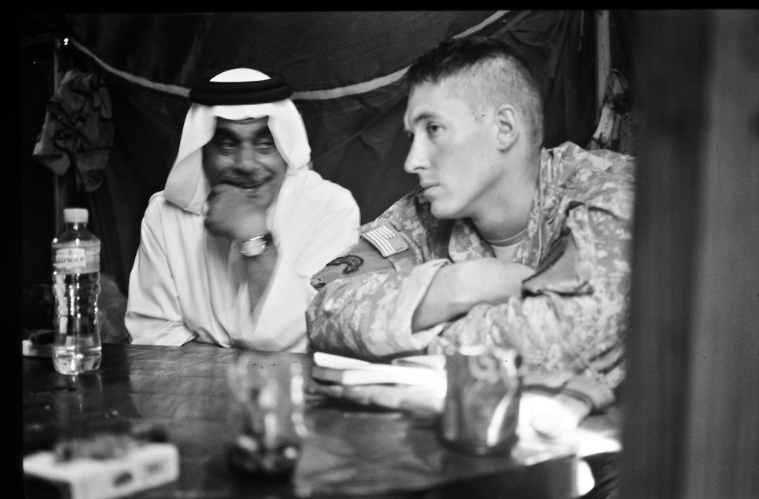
(185, 391)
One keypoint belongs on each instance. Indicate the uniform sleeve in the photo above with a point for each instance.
(153, 314)
(369, 315)
(366, 301)
(572, 314)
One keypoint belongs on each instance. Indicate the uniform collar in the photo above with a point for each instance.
(466, 243)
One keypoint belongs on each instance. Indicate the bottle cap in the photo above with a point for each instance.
(75, 215)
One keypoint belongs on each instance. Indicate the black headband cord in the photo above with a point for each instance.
(222, 93)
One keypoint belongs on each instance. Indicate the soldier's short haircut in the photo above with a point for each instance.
(485, 72)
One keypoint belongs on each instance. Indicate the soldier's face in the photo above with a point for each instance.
(243, 153)
(453, 154)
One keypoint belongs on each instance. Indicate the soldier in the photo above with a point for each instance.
(504, 242)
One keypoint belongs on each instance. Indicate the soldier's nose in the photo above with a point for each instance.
(416, 159)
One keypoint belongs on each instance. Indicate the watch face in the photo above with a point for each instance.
(253, 247)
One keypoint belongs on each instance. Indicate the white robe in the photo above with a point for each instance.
(188, 285)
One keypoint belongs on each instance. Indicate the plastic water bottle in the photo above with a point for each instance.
(76, 284)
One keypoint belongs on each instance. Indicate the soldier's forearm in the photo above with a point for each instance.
(367, 317)
(458, 287)
(446, 298)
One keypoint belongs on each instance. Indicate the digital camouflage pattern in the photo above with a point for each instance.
(572, 314)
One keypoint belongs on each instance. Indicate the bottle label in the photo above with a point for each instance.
(77, 260)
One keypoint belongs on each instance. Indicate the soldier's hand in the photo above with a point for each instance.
(488, 280)
(236, 213)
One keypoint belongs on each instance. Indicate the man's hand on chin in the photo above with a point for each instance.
(236, 213)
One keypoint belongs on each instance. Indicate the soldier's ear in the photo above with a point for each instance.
(507, 126)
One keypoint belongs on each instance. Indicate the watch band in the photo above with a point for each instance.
(255, 245)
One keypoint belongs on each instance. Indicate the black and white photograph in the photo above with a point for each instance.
(388, 254)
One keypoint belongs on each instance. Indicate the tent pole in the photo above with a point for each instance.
(57, 208)
(603, 55)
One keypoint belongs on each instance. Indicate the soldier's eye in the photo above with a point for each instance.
(432, 129)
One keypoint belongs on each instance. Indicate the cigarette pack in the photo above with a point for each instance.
(144, 467)
(29, 349)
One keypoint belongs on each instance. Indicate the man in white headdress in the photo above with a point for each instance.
(229, 246)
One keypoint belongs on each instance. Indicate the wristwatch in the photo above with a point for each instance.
(255, 245)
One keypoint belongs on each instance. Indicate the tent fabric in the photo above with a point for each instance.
(77, 129)
(353, 53)
(346, 71)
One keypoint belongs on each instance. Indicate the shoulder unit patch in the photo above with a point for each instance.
(352, 263)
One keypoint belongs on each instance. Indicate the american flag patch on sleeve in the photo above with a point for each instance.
(386, 239)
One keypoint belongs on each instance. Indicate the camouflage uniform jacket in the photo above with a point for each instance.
(572, 313)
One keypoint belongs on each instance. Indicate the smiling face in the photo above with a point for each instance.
(454, 155)
(243, 154)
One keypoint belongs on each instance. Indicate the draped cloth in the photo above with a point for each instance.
(188, 285)
(78, 129)
(615, 123)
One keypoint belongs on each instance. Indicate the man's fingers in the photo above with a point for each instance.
(220, 189)
(211, 227)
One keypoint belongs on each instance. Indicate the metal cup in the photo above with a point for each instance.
(481, 409)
